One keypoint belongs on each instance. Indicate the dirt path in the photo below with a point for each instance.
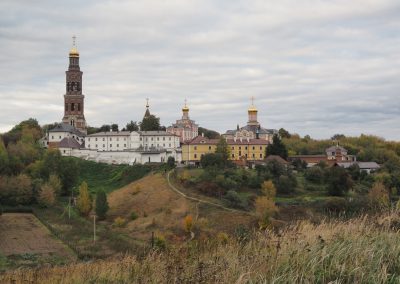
(200, 200)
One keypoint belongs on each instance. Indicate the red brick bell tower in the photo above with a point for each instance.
(74, 99)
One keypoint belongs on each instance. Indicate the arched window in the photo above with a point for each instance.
(72, 107)
(72, 122)
(79, 107)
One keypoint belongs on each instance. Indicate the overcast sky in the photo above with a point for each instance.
(314, 67)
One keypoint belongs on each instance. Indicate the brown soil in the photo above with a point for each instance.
(23, 233)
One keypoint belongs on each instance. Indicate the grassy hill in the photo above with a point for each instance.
(161, 210)
(360, 250)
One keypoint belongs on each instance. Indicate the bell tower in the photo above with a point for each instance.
(73, 98)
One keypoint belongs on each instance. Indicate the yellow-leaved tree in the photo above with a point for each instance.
(265, 204)
(84, 203)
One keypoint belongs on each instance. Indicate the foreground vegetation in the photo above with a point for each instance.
(360, 250)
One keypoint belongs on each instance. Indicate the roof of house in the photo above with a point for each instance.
(156, 133)
(65, 127)
(69, 142)
(252, 128)
(110, 133)
(335, 148)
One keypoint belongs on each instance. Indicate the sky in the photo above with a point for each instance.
(314, 67)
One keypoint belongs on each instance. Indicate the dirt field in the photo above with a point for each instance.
(24, 234)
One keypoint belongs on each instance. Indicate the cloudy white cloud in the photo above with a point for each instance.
(315, 67)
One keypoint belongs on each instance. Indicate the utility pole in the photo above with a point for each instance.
(94, 228)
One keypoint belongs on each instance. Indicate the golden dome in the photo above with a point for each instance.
(252, 109)
(185, 108)
(73, 52)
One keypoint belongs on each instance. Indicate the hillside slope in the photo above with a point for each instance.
(161, 210)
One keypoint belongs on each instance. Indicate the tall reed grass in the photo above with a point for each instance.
(360, 250)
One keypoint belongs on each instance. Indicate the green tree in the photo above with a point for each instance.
(150, 123)
(171, 162)
(212, 160)
(210, 134)
(339, 181)
(84, 203)
(101, 204)
(55, 183)
(114, 127)
(69, 174)
(284, 133)
(132, 126)
(277, 148)
(223, 149)
(105, 128)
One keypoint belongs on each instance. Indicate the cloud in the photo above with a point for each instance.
(315, 67)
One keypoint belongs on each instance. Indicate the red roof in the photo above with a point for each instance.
(204, 140)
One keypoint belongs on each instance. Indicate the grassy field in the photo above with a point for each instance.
(26, 242)
(360, 250)
(109, 177)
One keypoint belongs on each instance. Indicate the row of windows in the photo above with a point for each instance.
(233, 156)
(104, 145)
(233, 147)
(152, 139)
(117, 139)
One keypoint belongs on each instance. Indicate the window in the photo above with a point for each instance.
(158, 138)
(195, 147)
(88, 146)
(240, 147)
(117, 145)
(240, 153)
(163, 138)
(245, 148)
(104, 146)
(260, 147)
(209, 147)
(151, 138)
(117, 139)
(72, 106)
(233, 148)
(254, 148)
(66, 107)
(110, 139)
(79, 107)
(169, 138)
(233, 155)
(169, 144)
(96, 139)
(104, 139)
(89, 139)
(60, 137)
(124, 145)
(96, 146)
(195, 156)
(110, 145)
(52, 137)
(261, 156)
(254, 155)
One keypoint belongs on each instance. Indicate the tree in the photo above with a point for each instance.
(286, 184)
(84, 203)
(101, 204)
(223, 149)
(268, 189)
(3, 158)
(47, 196)
(338, 137)
(105, 128)
(283, 133)
(233, 198)
(69, 173)
(314, 174)
(277, 148)
(114, 127)
(265, 209)
(55, 183)
(150, 123)
(210, 134)
(16, 190)
(212, 160)
(171, 162)
(132, 126)
(339, 181)
(188, 223)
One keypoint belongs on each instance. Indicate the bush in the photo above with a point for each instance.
(119, 222)
(188, 223)
(233, 198)
(314, 174)
(335, 204)
(339, 181)
(285, 184)
(379, 196)
(134, 216)
(16, 190)
(265, 209)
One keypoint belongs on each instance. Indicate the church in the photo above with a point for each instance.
(185, 128)
(253, 129)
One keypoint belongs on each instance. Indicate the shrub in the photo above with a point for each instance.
(314, 174)
(134, 216)
(285, 184)
(233, 198)
(268, 189)
(335, 204)
(222, 238)
(47, 195)
(119, 222)
(16, 190)
(160, 242)
(379, 196)
(55, 183)
(188, 223)
(265, 209)
(339, 181)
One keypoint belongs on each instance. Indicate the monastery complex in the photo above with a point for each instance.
(181, 140)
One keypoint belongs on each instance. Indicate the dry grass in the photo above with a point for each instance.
(360, 250)
(162, 210)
